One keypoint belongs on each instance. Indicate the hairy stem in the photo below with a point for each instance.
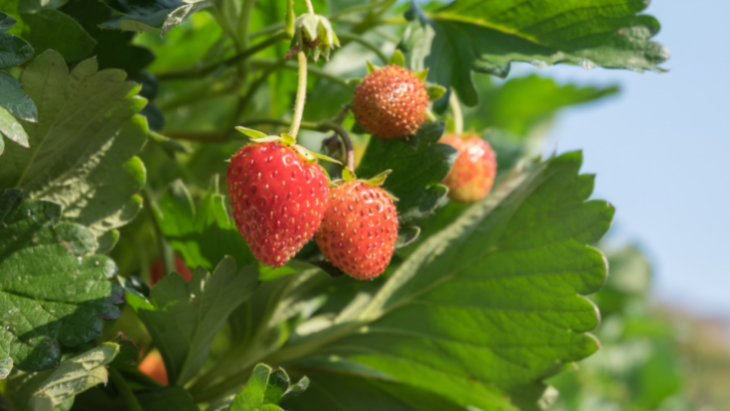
(124, 391)
(456, 111)
(301, 92)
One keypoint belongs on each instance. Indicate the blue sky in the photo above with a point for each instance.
(661, 152)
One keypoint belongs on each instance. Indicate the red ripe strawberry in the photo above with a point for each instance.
(157, 270)
(472, 175)
(278, 199)
(359, 229)
(390, 102)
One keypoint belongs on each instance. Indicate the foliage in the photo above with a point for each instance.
(124, 114)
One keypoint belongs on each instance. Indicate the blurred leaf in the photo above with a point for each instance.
(13, 50)
(147, 15)
(48, 390)
(417, 172)
(346, 392)
(81, 153)
(54, 291)
(52, 29)
(521, 104)
(32, 6)
(171, 398)
(487, 36)
(203, 236)
(12, 129)
(265, 388)
(484, 310)
(204, 304)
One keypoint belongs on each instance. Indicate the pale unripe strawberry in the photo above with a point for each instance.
(472, 175)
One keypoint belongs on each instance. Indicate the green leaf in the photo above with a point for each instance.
(12, 129)
(203, 236)
(204, 304)
(52, 29)
(54, 291)
(15, 100)
(32, 6)
(265, 388)
(417, 173)
(148, 15)
(397, 59)
(81, 153)
(351, 393)
(49, 390)
(73, 377)
(161, 399)
(484, 36)
(525, 104)
(485, 309)
(13, 50)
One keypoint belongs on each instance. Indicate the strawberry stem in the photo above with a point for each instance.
(456, 111)
(326, 125)
(310, 8)
(301, 94)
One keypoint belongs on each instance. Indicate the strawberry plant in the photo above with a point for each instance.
(185, 184)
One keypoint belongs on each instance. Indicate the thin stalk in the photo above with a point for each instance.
(124, 391)
(243, 22)
(458, 115)
(301, 91)
(310, 8)
(266, 30)
(329, 126)
(344, 37)
(290, 65)
(191, 74)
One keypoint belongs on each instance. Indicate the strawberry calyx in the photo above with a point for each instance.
(375, 181)
(287, 140)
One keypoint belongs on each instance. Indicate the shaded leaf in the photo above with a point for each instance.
(203, 236)
(160, 399)
(204, 303)
(265, 388)
(418, 165)
(12, 129)
(147, 15)
(81, 153)
(13, 50)
(54, 291)
(50, 29)
(15, 100)
(484, 36)
(485, 309)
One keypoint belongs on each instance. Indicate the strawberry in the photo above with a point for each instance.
(157, 270)
(472, 175)
(359, 229)
(278, 198)
(154, 367)
(390, 102)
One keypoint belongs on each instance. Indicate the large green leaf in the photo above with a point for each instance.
(486, 36)
(265, 388)
(147, 15)
(485, 309)
(203, 236)
(418, 167)
(81, 153)
(53, 291)
(183, 318)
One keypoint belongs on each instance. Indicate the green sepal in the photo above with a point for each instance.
(379, 179)
(435, 91)
(304, 153)
(421, 74)
(253, 134)
(325, 158)
(288, 139)
(370, 66)
(348, 175)
(397, 59)
(314, 36)
(353, 82)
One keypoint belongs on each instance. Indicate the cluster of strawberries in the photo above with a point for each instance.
(280, 200)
